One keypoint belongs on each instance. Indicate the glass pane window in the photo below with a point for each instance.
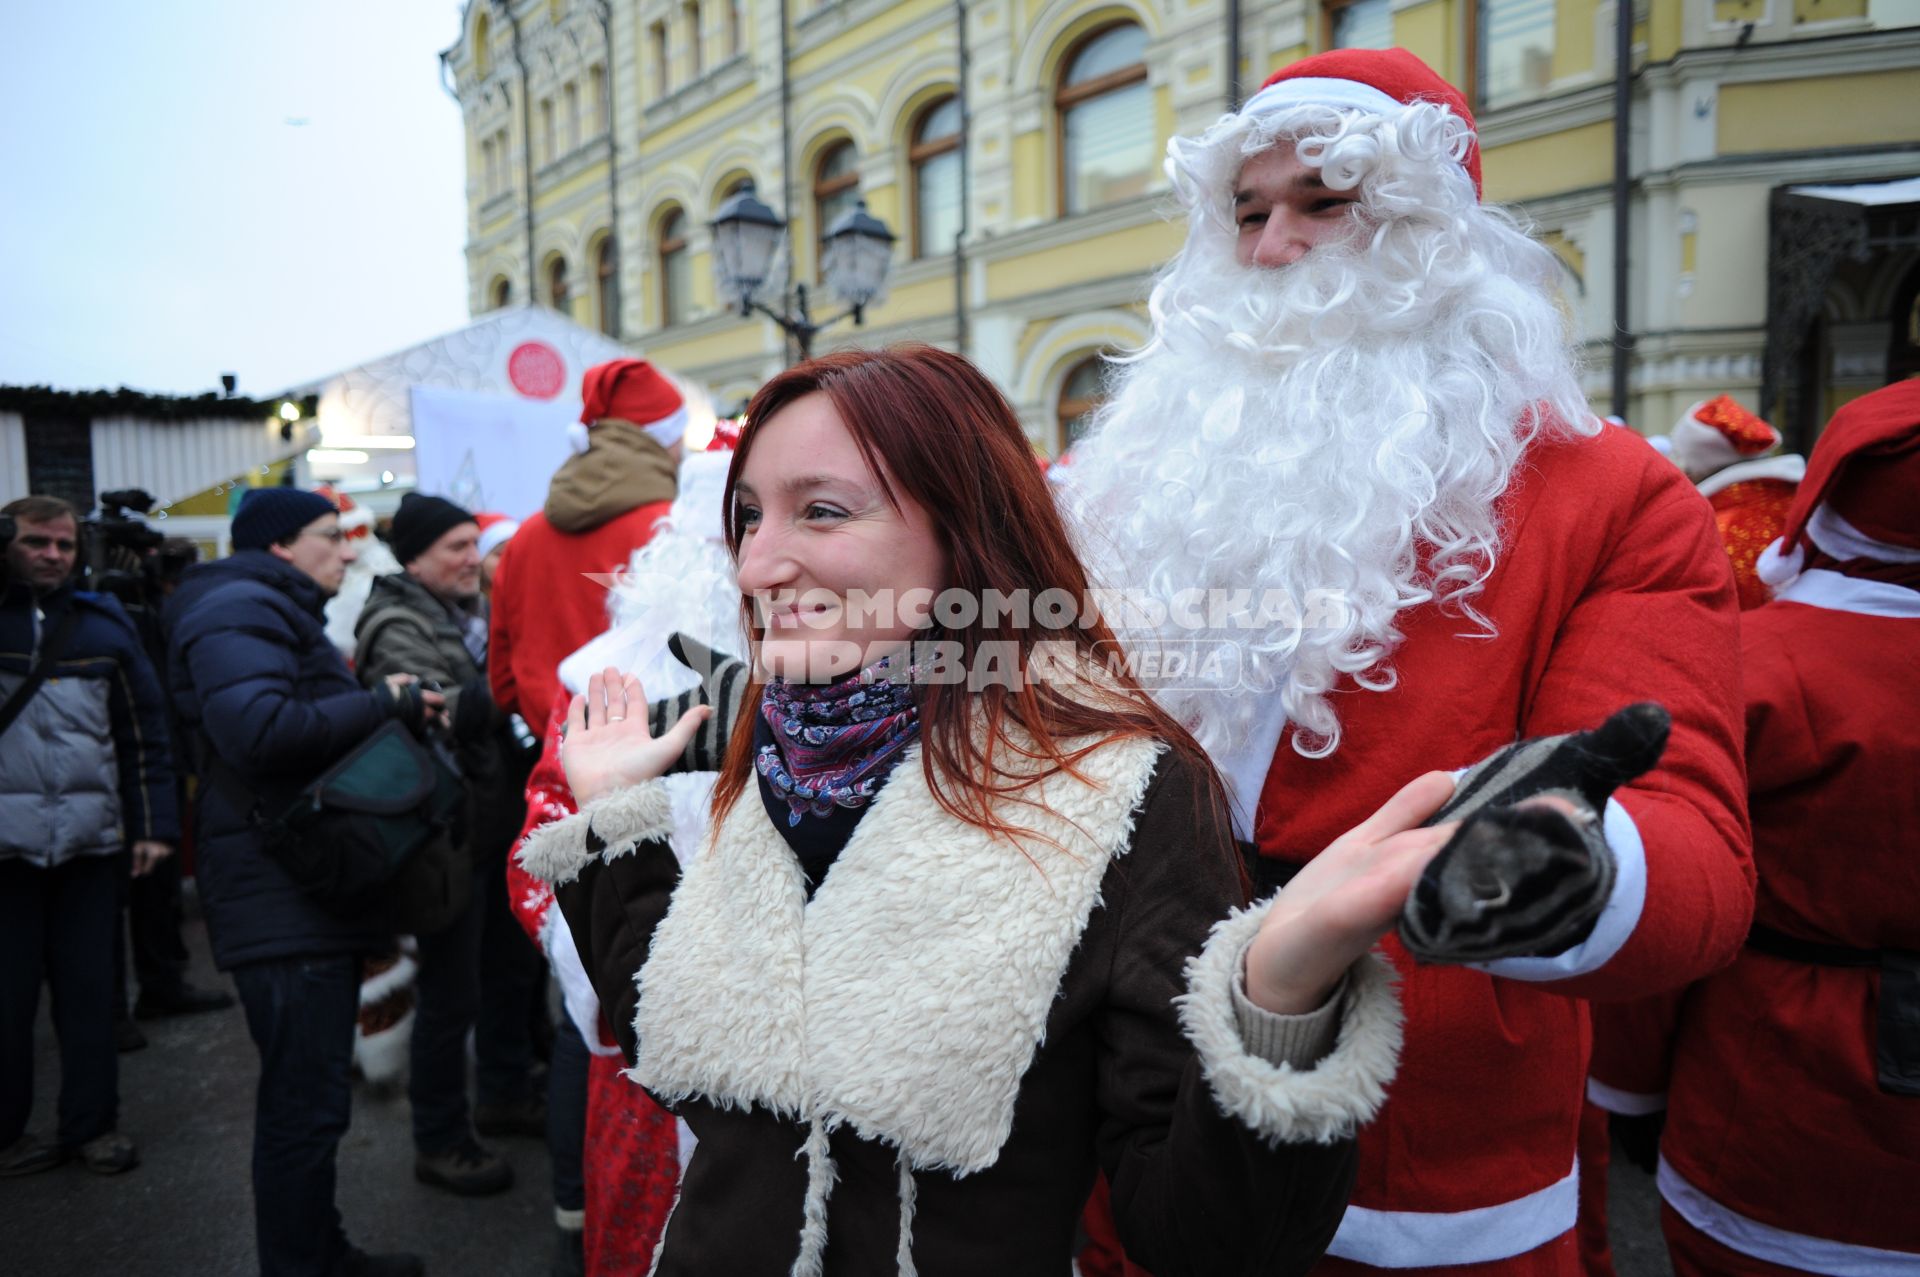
(1108, 144)
(1116, 49)
(936, 179)
(1362, 24)
(1516, 50)
(836, 189)
(1081, 395)
(676, 269)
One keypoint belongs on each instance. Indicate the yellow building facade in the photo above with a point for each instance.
(1032, 210)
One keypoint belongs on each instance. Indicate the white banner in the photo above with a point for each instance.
(488, 452)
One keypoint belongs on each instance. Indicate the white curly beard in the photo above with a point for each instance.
(1339, 430)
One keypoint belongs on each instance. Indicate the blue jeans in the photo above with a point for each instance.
(57, 925)
(301, 1013)
(567, 1114)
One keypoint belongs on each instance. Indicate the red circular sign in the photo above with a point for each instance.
(536, 370)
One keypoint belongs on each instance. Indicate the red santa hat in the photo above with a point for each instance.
(496, 530)
(635, 393)
(1377, 81)
(1715, 433)
(1866, 469)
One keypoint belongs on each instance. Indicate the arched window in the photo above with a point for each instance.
(736, 39)
(499, 293)
(696, 64)
(571, 95)
(483, 46)
(557, 295)
(676, 269)
(836, 187)
(606, 278)
(1105, 113)
(935, 160)
(1082, 392)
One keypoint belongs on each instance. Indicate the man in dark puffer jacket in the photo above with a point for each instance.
(272, 705)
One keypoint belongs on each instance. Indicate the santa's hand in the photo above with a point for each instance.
(723, 682)
(606, 743)
(1529, 869)
(1343, 900)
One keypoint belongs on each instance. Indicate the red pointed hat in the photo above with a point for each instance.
(1376, 80)
(633, 390)
(1866, 467)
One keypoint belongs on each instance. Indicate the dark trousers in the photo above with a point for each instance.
(152, 934)
(513, 990)
(446, 996)
(567, 1115)
(301, 1013)
(57, 925)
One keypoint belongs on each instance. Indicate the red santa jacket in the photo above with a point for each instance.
(1610, 587)
(1779, 1141)
(549, 599)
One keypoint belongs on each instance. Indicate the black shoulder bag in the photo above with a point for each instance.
(52, 647)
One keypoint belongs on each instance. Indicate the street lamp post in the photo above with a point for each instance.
(746, 236)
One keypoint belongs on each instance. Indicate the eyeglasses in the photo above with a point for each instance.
(333, 535)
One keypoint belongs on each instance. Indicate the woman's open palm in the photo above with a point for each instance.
(605, 744)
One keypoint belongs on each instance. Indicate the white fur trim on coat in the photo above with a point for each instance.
(556, 852)
(908, 998)
(1277, 1101)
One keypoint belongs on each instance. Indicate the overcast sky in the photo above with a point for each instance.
(187, 188)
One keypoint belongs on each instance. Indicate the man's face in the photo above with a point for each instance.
(1283, 211)
(42, 554)
(450, 567)
(321, 551)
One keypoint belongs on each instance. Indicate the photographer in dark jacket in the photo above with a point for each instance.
(428, 619)
(85, 778)
(272, 705)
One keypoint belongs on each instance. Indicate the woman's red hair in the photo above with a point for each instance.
(933, 429)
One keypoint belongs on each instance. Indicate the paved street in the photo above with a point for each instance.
(188, 1099)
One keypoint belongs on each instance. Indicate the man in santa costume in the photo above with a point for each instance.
(1791, 1079)
(549, 588)
(1357, 431)
(1732, 457)
(681, 581)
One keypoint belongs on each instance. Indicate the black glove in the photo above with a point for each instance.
(1529, 881)
(723, 681)
(405, 703)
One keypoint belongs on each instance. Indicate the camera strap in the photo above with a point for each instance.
(52, 646)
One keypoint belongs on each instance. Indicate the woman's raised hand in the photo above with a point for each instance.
(1345, 899)
(606, 745)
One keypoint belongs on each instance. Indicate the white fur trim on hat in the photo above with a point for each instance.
(668, 430)
(578, 437)
(1776, 565)
(497, 534)
(1277, 1101)
(1310, 90)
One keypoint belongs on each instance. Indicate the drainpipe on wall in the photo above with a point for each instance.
(613, 168)
(786, 163)
(1233, 56)
(1622, 196)
(526, 137)
(961, 337)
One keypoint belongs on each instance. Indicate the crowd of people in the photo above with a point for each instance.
(1281, 837)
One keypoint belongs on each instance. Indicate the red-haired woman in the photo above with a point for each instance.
(952, 945)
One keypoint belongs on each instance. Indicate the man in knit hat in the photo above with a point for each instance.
(1799, 1158)
(429, 618)
(268, 704)
(549, 595)
(1358, 421)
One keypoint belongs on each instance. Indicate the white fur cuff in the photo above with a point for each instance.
(1327, 1102)
(556, 852)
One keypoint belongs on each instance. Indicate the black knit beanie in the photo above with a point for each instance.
(419, 522)
(267, 515)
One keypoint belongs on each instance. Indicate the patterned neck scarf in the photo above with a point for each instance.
(834, 746)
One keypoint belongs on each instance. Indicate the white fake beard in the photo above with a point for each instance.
(1334, 426)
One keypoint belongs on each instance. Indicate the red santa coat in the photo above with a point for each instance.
(1611, 587)
(1775, 1115)
(547, 602)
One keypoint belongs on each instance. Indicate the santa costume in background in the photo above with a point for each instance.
(374, 559)
(1791, 1079)
(682, 580)
(550, 587)
(1730, 455)
(1438, 551)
